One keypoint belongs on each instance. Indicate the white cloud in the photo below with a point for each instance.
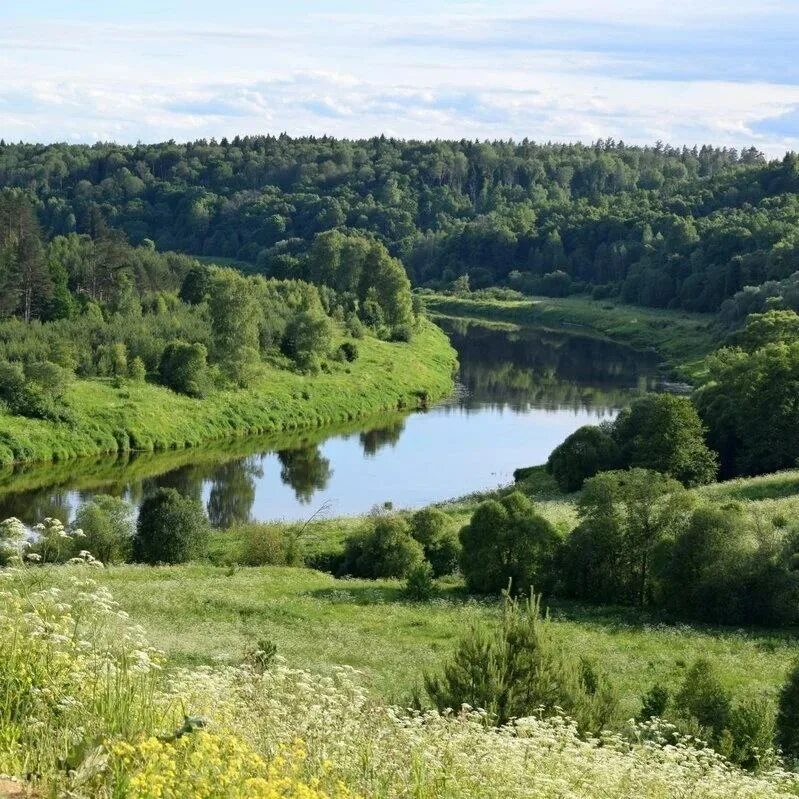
(640, 71)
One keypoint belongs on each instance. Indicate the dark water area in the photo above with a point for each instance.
(520, 392)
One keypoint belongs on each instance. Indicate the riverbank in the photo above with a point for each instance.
(682, 339)
(110, 419)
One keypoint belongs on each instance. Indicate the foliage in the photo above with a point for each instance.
(183, 368)
(657, 225)
(663, 433)
(705, 571)
(419, 583)
(385, 549)
(625, 517)
(170, 529)
(585, 452)
(788, 714)
(108, 528)
(747, 404)
(517, 670)
(506, 541)
(432, 528)
(269, 544)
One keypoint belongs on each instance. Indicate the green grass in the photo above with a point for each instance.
(682, 339)
(210, 613)
(201, 614)
(385, 377)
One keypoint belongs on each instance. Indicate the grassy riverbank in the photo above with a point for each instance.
(682, 339)
(109, 419)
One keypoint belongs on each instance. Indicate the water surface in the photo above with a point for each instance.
(520, 392)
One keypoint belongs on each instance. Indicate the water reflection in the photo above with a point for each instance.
(551, 381)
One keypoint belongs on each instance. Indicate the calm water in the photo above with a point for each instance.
(519, 394)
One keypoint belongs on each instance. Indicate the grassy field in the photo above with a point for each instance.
(210, 613)
(202, 614)
(682, 339)
(385, 377)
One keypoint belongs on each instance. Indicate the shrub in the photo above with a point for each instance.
(752, 732)
(427, 525)
(27, 398)
(269, 545)
(704, 573)
(625, 517)
(170, 529)
(788, 715)
(444, 554)
(703, 699)
(419, 585)
(183, 368)
(655, 702)
(349, 351)
(386, 549)
(108, 528)
(137, 370)
(585, 452)
(507, 541)
(52, 379)
(516, 670)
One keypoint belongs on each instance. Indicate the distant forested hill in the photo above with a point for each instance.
(659, 226)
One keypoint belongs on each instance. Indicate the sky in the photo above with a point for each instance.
(682, 72)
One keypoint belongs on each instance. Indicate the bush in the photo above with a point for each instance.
(444, 554)
(703, 699)
(52, 379)
(137, 371)
(788, 715)
(268, 545)
(655, 702)
(585, 452)
(27, 398)
(387, 549)
(516, 669)
(625, 519)
(183, 368)
(349, 351)
(107, 524)
(507, 541)
(427, 525)
(170, 529)
(703, 575)
(419, 585)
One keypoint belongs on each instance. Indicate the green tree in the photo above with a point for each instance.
(235, 317)
(183, 368)
(625, 518)
(506, 541)
(516, 669)
(748, 403)
(585, 452)
(663, 432)
(385, 549)
(703, 699)
(170, 529)
(704, 574)
(108, 527)
(195, 286)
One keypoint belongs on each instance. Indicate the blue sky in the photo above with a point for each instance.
(683, 72)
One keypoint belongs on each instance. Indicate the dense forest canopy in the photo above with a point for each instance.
(660, 226)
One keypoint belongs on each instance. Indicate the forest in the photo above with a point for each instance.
(658, 226)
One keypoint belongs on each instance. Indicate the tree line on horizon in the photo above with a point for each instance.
(660, 226)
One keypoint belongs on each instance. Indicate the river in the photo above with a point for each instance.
(519, 393)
